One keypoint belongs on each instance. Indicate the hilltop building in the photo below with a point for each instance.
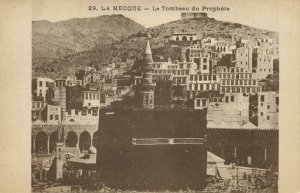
(193, 15)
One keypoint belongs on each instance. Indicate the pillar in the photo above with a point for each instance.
(77, 144)
(235, 155)
(33, 145)
(48, 143)
(91, 139)
(265, 154)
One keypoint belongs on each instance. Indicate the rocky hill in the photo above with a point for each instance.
(52, 41)
(121, 48)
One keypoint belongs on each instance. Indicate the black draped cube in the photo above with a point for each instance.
(152, 149)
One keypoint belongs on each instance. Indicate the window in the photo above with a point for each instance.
(204, 67)
(198, 102)
(205, 77)
(201, 86)
(277, 100)
(268, 106)
(51, 117)
(95, 112)
(261, 114)
(76, 112)
(40, 83)
(268, 117)
(262, 98)
(226, 99)
(83, 112)
(203, 102)
(56, 117)
(89, 111)
(232, 98)
(214, 77)
(204, 60)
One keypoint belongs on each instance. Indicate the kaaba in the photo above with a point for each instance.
(152, 149)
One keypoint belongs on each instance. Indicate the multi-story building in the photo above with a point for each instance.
(262, 62)
(237, 80)
(228, 109)
(53, 114)
(38, 107)
(268, 108)
(200, 83)
(40, 86)
(201, 57)
(242, 55)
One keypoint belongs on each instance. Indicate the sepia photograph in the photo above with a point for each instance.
(198, 96)
(155, 97)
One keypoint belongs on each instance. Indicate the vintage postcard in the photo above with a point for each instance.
(159, 96)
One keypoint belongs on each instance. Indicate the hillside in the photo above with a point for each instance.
(52, 41)
(134, 44)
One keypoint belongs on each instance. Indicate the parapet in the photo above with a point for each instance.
(193, 15)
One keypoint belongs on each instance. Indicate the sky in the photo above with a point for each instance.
(255, 13)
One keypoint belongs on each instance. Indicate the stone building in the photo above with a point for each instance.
(268, 109)
(200, 83)
(228, 109)
(242, 55)
(37, 110)
(237, 80)
(185, 15)
(53, 113)
(40, 86)
(262, 62)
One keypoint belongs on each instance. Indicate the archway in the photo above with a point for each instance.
(84, 141)
(41, 143)
(184, 38)
(53, 140)
(95, 139)
(72, 139)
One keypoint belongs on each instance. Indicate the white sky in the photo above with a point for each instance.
(256, 13)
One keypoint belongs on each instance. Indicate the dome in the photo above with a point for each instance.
(92, 150)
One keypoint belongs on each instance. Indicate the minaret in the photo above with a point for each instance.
(148, 54)
(147, 91)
